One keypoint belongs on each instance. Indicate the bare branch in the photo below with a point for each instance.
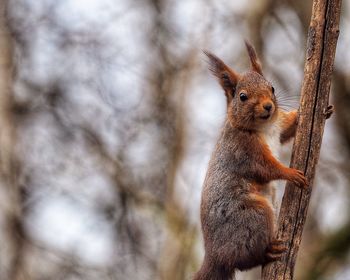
(322, 40)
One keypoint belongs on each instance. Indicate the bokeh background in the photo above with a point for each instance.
(108, 116)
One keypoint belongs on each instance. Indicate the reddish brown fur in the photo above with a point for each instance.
(290, 122)
(237, 220)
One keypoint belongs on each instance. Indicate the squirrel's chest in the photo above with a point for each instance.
(271, 136)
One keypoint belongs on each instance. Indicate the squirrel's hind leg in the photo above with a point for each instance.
(275, 250)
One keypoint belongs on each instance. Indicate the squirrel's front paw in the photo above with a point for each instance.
(297, 177)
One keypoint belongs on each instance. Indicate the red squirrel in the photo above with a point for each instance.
(237, 219)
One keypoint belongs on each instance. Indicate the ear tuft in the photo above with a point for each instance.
(254, 60)
(226, 76)
(216, 65)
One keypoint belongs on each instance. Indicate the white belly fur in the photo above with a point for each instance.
(271, 135)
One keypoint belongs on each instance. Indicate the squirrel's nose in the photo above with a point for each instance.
(267, 106)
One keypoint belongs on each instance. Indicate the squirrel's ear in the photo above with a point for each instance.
(254, 60)
(227, 77)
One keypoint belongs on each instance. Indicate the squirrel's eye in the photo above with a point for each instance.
(273, 90)
(243, 96)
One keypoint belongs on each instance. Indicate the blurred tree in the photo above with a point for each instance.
(12, 195)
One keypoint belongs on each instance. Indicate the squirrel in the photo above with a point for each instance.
(237, 218)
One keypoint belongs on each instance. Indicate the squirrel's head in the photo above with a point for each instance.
(251, 101)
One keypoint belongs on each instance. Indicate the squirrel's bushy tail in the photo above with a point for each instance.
(210, 271)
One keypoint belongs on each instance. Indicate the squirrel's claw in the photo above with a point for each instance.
(269, 257)
(298, 178)
(279, 241)
(329, 111)
(275, 250)
(277, 246)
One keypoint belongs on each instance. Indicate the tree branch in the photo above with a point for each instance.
(322, 39)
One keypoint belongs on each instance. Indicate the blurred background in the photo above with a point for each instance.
(108, 116)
